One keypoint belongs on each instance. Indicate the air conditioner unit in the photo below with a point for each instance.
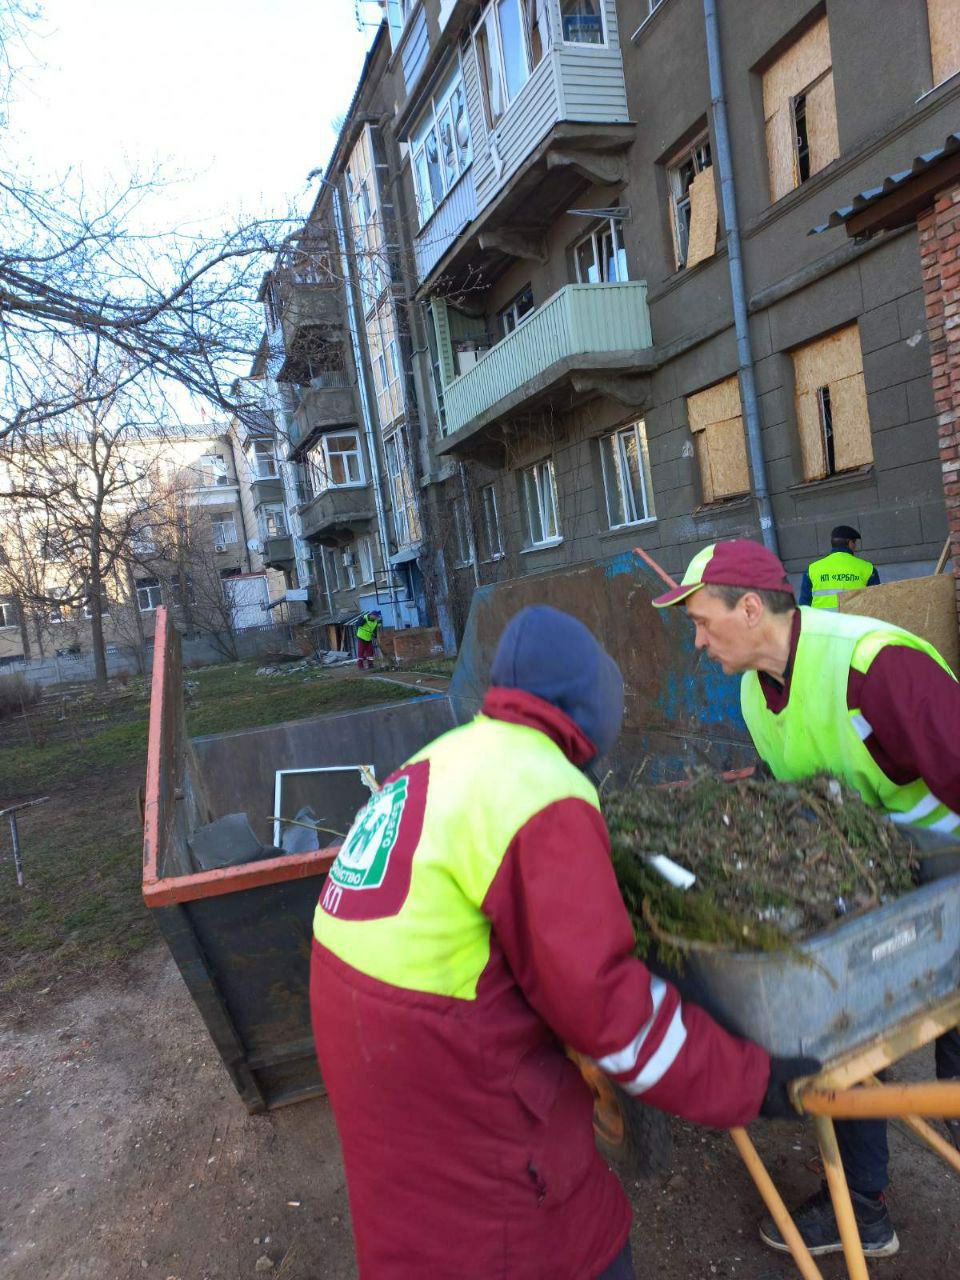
(219, 547)
(223, 479)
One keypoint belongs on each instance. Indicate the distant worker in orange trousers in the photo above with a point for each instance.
(470, 928)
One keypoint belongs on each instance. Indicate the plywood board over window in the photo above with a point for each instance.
(831, 404)
(799, 86)
(703, 218)
(943, 19)
(716, 421)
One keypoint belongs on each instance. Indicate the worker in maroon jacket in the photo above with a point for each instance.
(826, 692)
(470, 928)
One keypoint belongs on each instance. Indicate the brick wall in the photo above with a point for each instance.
(940, 260)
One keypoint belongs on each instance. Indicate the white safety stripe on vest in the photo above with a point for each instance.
(862, 725)
(919, 810)
(948, 823)
(663, 1059)
(827, 591)
(625, 1059)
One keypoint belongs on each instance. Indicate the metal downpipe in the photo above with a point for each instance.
(728, 195)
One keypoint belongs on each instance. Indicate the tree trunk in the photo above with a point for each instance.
(24, 628)
(96, 626)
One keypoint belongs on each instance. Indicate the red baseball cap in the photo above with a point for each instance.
(738, 563)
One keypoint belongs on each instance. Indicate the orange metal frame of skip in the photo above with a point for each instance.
(168, 890)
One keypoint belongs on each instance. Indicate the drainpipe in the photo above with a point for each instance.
(365, 411)
(728, 194)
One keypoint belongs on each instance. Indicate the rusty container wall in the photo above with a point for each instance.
(681, 710)
(241, 936)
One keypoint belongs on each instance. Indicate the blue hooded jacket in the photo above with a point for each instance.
(555, 657)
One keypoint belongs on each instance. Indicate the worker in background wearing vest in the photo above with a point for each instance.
(841, 570)
(470, 927)
(875, 706)
(367, 629)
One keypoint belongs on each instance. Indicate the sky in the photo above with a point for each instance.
(236, 99)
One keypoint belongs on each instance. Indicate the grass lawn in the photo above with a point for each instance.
(81, 913)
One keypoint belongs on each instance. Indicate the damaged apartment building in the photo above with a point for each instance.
(569, 307)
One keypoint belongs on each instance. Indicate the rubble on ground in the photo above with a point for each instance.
(775, 862)
(322, 658)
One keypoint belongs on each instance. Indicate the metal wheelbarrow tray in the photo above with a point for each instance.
(842, 986)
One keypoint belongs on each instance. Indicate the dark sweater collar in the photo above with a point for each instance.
(516, 706)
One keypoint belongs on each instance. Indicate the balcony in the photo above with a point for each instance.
(278, 551)
(265, 488)
(326, 402)
(336, 515)
(586, 339)
(311, 322)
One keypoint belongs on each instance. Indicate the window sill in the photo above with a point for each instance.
(494, 559)
(722, 505)
(621, 530)
(844, 480)
(541, 546)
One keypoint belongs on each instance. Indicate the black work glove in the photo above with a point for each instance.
(776, 1103)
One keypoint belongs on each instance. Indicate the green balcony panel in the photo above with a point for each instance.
(582, 328)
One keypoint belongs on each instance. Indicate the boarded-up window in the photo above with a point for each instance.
(832, 405)
(693, 205)
(717, 424)
(943, 18)
(800, 111)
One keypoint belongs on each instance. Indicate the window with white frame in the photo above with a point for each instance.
(398, 11)
(224, 530)
(626, 471)
(538, 491)
(273, 521)
(8, 614)
(182, 590)
(693, 204)
(262, 458)
(144, 542)
(406, 521)
(349, 560)
(582, 21)
(213, 469)
(55, 605)
(149, 596)
(600, 257)
(336, 462)
(440, 145)
(332, 569)
(516, 310)
(509, 40)
(492, 546)
(461, 532)
(364, 550)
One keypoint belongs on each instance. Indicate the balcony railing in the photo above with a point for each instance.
(336, 513)
(583, 326)
(278, 550)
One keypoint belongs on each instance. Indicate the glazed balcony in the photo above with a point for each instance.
(584, 339)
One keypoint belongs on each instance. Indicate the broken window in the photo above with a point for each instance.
(831, 403)
(364, 550)
(538, 488)
(461, 532)
(626, 470)
(582, 21)
(262, 459)
(273, 522)
(600, 256)
(406, 518)
(149, 596)
(693, 205)
(516, 310)
(8, 614)
(440, 145)
(492, 544)
(943, 20)
(716, 422)
(224, 531)
(800, 111)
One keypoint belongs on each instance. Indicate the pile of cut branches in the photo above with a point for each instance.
(775, 862)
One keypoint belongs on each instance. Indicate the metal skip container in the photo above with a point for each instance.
(241, 935)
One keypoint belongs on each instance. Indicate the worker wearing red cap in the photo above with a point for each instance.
(470, 927)
(872, 704)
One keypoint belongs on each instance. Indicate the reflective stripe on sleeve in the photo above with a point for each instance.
(919, 810)
(862, 725)
(625, 1059)
(664, 1058)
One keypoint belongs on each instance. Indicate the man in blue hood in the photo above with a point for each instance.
(470, 928)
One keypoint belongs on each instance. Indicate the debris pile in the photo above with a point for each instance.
(775, 862)
(323, 658)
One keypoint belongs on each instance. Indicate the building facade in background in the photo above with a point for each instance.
(505, 340)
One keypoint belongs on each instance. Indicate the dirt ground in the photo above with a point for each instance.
(126, 1155)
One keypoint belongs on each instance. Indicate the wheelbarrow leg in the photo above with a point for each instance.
(840, 1195)
(929, 1135)
(778, 1210)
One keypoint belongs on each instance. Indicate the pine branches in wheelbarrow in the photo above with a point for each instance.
(775, 862)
